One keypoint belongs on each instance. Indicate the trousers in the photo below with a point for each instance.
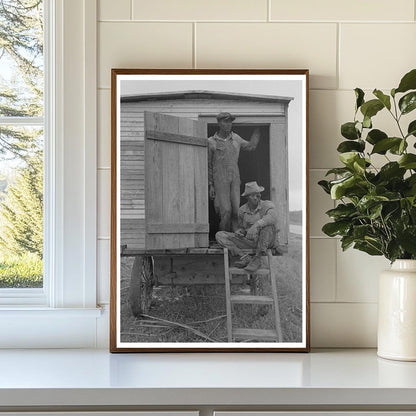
(236, 243)
(227, 202)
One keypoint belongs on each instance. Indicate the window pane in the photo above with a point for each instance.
(21, 58)
(21, 207)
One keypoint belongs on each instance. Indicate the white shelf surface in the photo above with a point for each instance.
(96, 377)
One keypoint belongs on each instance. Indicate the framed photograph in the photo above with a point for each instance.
(209, 211)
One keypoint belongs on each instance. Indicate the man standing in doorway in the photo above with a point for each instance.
(223, 172)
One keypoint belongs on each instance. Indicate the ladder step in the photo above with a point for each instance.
(236, 270)
(250, 299)
(251, 333)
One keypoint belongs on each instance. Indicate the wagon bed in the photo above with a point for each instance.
(176, 267)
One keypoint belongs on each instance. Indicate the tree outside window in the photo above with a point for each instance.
(21, 143)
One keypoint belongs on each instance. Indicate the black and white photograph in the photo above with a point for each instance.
(209, 232)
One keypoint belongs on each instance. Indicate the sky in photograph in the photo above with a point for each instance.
(134, 85)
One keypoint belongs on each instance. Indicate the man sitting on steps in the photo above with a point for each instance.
(257, 229)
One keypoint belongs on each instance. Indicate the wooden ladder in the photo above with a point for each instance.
(241, 334)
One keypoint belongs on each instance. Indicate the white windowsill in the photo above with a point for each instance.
(323, 378)
(36, 312)
(41, 327)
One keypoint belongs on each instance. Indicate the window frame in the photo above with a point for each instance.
(70, 167)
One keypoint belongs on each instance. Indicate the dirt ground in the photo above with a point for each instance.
(197, 313)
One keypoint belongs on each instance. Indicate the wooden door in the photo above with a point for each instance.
(176, 178)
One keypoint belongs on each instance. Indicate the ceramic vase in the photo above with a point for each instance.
(397, 312)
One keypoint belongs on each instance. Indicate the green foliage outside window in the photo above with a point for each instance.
(21, 147)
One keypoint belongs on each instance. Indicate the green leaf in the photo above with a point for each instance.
(393, 250)
(408, 161)
(383, 145)
(391, 170)
(411, 130)
(375, 212)
(349, 146)
(361, 231)
(342, 211)
(359, 94)
(367, 122)
(368, 248)
(398, 149)
(371, 108)
(408, 82)
(325, 186)
(385, 99)
(408, 102)
(336, 228)
(349, 158)
(338, 189)
(349, 131)
(346, 242)
(338, 171)
(359, 166)
(369, 201)
(407, 240)
(375, 136)
(393, 92)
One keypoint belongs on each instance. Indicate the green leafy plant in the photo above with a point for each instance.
(376, 210)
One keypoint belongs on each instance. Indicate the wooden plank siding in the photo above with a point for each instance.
(132, 157)
(172, 151)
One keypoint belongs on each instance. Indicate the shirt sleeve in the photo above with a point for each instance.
(241, 142)
(270, 217)
(252, 144)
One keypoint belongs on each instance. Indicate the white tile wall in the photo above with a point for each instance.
(376, 55)
(372, 10)
(270, 45)
(200, 10)
(323, 269)
(104, 128)
(345, 44)
(339, 325)
(357, 275)
(104, 202)
(142, 45)
(114, 10)
(103, 271)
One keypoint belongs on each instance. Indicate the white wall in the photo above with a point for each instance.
(345, 44)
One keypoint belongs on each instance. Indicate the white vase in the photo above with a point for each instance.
(397, 312)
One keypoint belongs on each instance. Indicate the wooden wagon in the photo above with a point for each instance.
(166, 219)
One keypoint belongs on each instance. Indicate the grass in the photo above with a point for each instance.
(24, 271)
(203, 307)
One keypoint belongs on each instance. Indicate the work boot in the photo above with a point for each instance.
(243, 261)
(254, 264)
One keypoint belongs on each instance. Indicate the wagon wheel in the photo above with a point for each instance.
(141, 285)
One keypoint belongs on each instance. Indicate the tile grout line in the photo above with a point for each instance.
(269, 10)
(194, 63)
(307, 22)
(338, 63)
(336, 272)
(344, 302)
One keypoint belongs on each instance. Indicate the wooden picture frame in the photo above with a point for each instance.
(175, 285)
